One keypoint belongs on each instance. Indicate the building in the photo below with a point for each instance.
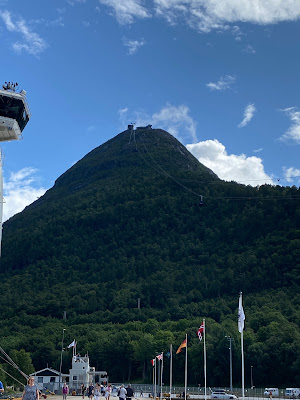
(82, 373)
(144, 127)
(48, 379)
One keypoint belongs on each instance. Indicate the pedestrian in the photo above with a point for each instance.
(122, 393)
(130, 392)
(65, 391)
(90, 391)
(107, 392)
(97, 392)
(30, 390)
(142, 393)
(1, 387)
(270, 395)
(83, 389)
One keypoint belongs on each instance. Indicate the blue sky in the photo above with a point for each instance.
(221, 76)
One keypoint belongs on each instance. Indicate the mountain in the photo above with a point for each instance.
(139, 231)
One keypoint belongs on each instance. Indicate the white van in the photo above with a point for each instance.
(292, 392)
(274, 391)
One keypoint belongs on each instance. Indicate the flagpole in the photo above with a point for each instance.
(153, 369)
(171, 369)
(243, 372)
(241, 330)
(204, 346)
(185, 380)
(161, 376)
(155, 378)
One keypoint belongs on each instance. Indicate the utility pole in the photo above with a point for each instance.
(229, 338)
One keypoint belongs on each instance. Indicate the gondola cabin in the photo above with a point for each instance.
(14, 114)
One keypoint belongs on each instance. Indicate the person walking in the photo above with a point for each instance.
(65, 391)
(83, 389)
(97, 392)
(122, 393)
(1, 387)
(30, 390)
(90, 391)
(130, 392)
(107, 391)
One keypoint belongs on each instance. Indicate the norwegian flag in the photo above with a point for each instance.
(200, 331)
(160, 356)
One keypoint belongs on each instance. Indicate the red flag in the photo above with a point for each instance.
(200, 331)
(160, 356)
(152, 362)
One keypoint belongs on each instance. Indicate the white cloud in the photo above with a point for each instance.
(174, 119)
(249, 49)
(239, 168)
(248, 115)
(293, 133)
(20, 190)
(258, 150)
(91, 128)
(177, 121)
(206, 15)
(127, 10)
(133, 45)
(291, 173)
(222, 84)
(73, 2)
(32, 43)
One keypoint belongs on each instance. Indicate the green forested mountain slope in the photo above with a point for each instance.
(125, 223)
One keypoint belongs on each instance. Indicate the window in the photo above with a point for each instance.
(52, 378)
(40, 379)
(74, 378)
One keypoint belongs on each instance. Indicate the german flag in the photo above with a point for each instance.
(183, 344)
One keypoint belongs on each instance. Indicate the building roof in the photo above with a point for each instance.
(48, 372)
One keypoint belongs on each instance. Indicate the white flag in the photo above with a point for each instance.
(241, 315)
(72, 344)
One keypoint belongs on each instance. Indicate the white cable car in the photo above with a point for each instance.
(14, 114)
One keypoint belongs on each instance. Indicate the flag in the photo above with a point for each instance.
(72, 344)
(200, 331)
(153, 362)
(160, 356)
(241, 315)
(183, 344)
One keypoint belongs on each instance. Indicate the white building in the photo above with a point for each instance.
(48, 379)
(80, 373)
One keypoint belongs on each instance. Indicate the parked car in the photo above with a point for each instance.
(292, 392)
(222, 395)
(274, 391)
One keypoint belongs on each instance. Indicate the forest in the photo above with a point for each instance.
(124, 248)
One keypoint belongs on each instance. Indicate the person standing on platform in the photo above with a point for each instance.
(65, 391)
(122, 393)
(130, 392)
(97, 392)
(90, 391)
(107, 392)
(30, 390)
(83, 389)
